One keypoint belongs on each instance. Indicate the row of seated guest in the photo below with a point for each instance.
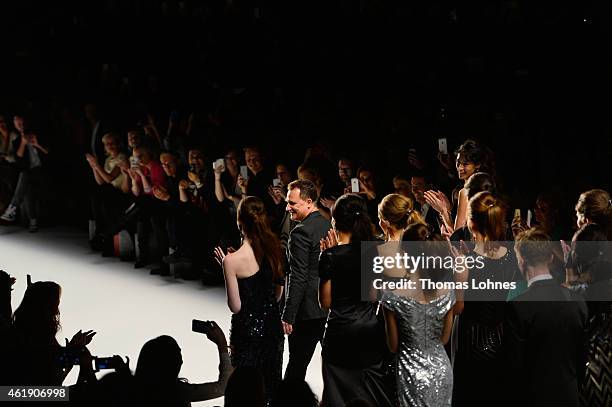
(22, 158)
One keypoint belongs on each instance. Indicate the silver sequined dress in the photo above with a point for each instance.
(424, 372)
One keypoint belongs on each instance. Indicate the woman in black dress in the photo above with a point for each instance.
(354, 342)
(478, 369)
(254, 285)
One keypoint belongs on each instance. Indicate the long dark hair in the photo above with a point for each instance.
(159, 361)
(255, 225)
(474, 152)
(350, 214)
(38, 315)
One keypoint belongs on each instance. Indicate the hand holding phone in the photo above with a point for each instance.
(219, 165)
(202, 327)
(355, 185)
(244, 172)
(442, 146)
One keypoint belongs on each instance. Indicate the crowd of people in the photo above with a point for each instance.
(287, 242)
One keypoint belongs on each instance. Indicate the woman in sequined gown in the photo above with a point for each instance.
(254, 283)
(419, 323)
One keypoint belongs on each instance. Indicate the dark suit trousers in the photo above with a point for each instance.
(302, 343)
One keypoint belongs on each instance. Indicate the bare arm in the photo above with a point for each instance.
(462, 206)
(231, 284)
(219, 188)
(391, 329)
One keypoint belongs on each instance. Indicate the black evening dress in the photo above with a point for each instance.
(478, 370)
(354, 349)
(256, 337)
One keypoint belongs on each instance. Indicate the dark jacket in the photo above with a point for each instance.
(544, 336)
(302, 291)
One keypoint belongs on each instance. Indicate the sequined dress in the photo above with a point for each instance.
(256, 336)
(424, 373)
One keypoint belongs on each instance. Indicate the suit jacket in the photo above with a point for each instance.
(302, 283)
(544, 342)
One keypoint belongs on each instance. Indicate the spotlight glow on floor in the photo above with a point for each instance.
(125, 306)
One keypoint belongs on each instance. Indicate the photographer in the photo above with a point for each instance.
(202, 226)
(42, 360)
(159, 363)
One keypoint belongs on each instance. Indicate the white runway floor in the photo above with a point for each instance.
(125, 306)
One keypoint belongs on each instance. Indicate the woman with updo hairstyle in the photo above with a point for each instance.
(395, 213)
(354, 341)
(478, 362)
(254, 285)
(595, 206)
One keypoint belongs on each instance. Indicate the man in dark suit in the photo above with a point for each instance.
(303, 320)
(544, 332)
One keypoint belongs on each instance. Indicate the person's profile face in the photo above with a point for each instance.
(418, 187)
(133, 139)
(282, 173)
(581, 220)
(345, 171)
(18, 123)
(168, 163)
(402, 187)
(367, 179)
(231, 160)
(110, 146)
(465, 168)
(297, 207)
(196, 159)
(542, 211)
(253, 161)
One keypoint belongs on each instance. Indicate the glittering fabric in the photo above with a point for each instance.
(424, 373)
(256, 336)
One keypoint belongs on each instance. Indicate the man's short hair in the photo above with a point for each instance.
(534, 246)
(308, 189)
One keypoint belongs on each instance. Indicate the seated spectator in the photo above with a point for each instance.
(543, 332)
(206, 220)
(41, 359)
(147, 174)
(30, 156)
(156, 380)
(245, 388)
(260, 177)
(110, 197)
(9, 141)
(278, 194)
(229, 180)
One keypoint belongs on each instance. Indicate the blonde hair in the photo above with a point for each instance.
(488, 215)
(399, 211)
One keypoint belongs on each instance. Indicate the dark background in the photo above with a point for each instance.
(370, 78)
